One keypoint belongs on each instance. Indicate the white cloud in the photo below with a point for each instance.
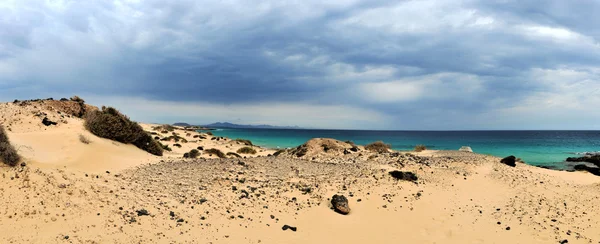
(428, 87)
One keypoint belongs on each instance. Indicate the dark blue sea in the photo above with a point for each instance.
(542, 148)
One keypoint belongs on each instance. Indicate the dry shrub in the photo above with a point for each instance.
(246, 150)
(109, 123)
(420, 148)
(215, 152)
(280, 151)
(84, 139)
(233, 154)
(8, 154)
(194, 153)
(244, 141)
(378, 147)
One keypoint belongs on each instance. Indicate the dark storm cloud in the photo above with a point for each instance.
(459, 58)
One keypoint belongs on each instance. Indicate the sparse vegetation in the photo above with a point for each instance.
(165, 147)
(244, 141)
(177, 145)
(194, 153)
(164, 128)
(77, 99)
(378, 147)
(109, 123)
(84, 139)
(233, 154)
(175, 138)
(209, 133)
(420, 148)
(8, 154)
(279, 152)
(214, 151)
(246, 150)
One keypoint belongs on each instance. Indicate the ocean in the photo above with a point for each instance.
(541, 148)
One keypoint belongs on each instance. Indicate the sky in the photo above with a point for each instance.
(347, 64)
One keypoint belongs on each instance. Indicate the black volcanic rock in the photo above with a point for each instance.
(340, 204)
(583, 167)
(401, 175)
(510, 161)
(595, 159)
(47, 122)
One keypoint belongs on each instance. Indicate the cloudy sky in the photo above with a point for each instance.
(430, 64)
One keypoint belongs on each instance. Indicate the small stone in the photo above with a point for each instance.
(286, 227)
(340, 204)
(508, 228)
(66, 237)
(142, 212)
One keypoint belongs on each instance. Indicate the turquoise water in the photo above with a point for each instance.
(543, 148)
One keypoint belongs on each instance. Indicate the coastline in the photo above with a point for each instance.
(106, 191)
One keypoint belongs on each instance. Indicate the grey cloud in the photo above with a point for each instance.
(282, 52)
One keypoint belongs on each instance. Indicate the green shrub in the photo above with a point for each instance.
(378, 147)
(209, 133)
(8, 154)
(246, 150)
(244, 141)
(109, 123)
(420, 148)
(215, 152)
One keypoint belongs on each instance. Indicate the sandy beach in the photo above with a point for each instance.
(68, 191)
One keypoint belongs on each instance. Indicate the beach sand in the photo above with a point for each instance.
(108, 192)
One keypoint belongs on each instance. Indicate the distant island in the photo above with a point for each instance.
(237, 126)
(181, 124)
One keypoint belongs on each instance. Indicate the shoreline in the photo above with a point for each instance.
(105, 191)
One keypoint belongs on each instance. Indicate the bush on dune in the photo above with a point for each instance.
(215, 152)
(420, 148)
(194, 153)
(233, 154)
(378, 147)
(244, 141)
(109, 123)
(246, 150)
(8, 154)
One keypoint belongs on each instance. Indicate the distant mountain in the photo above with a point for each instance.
(181, 124)
(236, 126)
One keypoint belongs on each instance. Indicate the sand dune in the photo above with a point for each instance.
(108, 192)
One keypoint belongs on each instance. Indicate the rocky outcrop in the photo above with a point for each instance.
(583, 167)
(340, 204)
(401, 175)
(323, 146)
(593, 158)
(465, 149)
(510, 161)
